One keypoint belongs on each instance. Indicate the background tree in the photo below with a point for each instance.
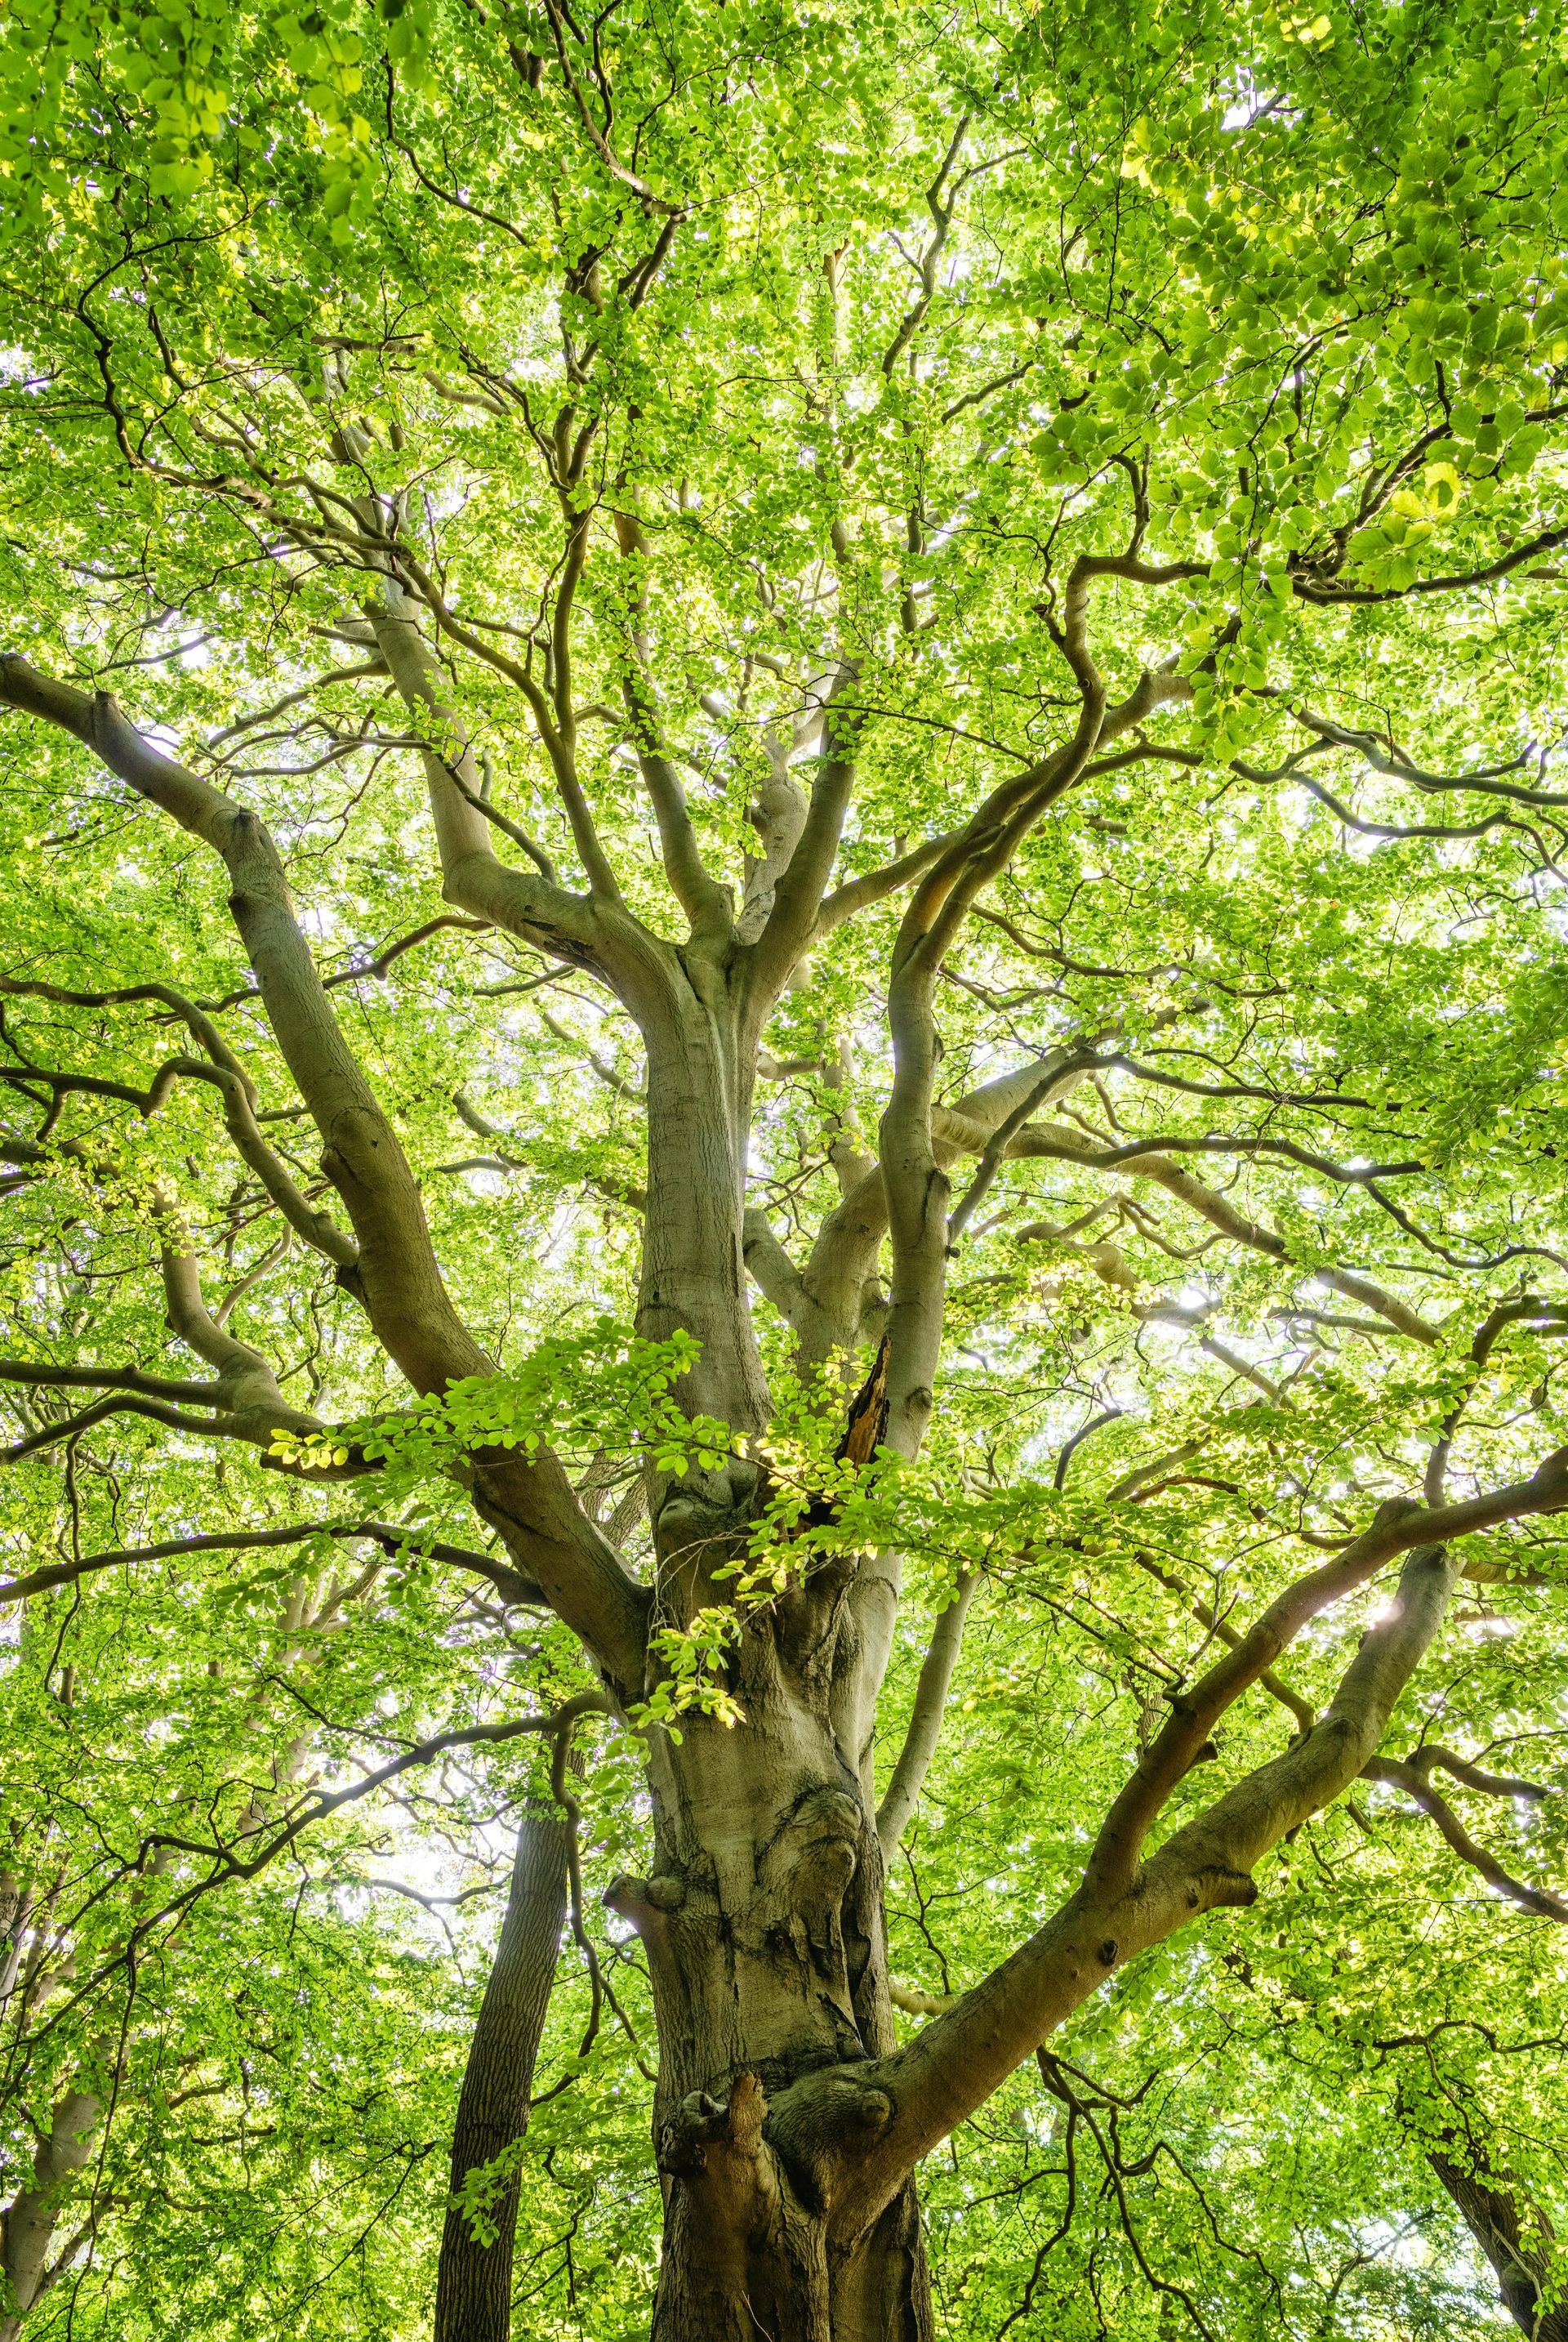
(788, 841)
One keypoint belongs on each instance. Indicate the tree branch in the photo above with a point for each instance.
(1122, 1907)
(396, 1274)
(800, 889)
(1062, 1145)
(708, 904)
(525, 904)
(1412, 1780)
(902, 1791)
(393, 1541)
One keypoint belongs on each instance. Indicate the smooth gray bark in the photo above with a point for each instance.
(930, 1692)
(32, 2218)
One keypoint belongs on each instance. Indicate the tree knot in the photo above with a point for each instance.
(1220, 1888)
(644, 1901)
(706, 2133)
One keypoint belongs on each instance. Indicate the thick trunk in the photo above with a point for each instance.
(763, 1922)
(694, 1275)
(473, 2283)
(762, 1917)
(746, 2259)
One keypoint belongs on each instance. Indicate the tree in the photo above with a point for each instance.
(1515, 2238)
(943, 634)
(473, 2297)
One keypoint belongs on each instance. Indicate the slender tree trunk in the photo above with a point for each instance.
(473, 2283)
(1516, 2240)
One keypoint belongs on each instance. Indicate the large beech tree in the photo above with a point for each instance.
(786, 794)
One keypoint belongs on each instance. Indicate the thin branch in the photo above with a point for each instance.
(1416, 1785)
(902, 1791)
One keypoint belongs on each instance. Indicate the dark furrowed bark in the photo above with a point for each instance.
(1452, 2130)
(473, 2281)
(1520, 2259)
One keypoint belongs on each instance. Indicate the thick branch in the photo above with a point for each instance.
(802, 884)
(954, 2062)
(525, 903)
(39, 1376)
(1515, 2235)
(916, 1189)
(859, 894)
(1123, 1907)
(396, 1275)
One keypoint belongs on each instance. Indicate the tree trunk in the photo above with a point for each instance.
(1518, 2244)
(474, 2282)
(694, 1274)
(763, 1922)
(31, 2219)
(747, 2259)
(1451, 2130)
(763, 1916)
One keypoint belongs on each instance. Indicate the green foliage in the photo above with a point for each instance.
(578, 1394)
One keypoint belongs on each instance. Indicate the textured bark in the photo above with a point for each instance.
(788, 2123)
(396, 1275)
(762, 1917)
(1514, 2234)
(1523, 2261)
(763, 1924)
(749, 2253)
(473, 2281)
